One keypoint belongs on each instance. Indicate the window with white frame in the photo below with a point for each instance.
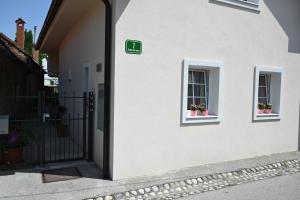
(248, 4)
(201, 97)
(268, 92)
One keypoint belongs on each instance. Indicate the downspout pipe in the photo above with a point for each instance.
(107, 89)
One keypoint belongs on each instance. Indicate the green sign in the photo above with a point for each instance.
(133, 47)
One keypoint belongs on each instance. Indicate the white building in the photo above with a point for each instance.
(228, 54)
(48, 80)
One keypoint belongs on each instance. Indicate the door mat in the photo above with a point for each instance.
(50, 176)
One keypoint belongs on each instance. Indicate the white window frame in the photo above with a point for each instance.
(215, 69)
(244, 4)
(274, 96)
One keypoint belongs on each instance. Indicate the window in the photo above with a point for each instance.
(264, 88)
(197, 88)
(248, 4)
(201, 89)
(268, 92)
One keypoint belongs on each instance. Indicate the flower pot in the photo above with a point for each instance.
(13, 155)
(193, 113)
(204, 113)
(268, 111)
(260, 111)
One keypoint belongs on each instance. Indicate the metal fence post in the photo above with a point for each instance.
(41, 139)
(91, 126)
(84, 113)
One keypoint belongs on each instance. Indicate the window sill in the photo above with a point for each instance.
(242, 4)
(201, 119)
(272, 116)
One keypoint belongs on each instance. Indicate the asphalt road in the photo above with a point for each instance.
(279, 188)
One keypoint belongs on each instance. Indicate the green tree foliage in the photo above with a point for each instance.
(29, 45)
(41, 57)
(28, 42)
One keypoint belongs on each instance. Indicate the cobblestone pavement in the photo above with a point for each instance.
(197, 185)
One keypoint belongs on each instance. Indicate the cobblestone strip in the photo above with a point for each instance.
(192, 186)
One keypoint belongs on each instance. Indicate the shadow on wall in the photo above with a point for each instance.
(121, 6)
(287, 13)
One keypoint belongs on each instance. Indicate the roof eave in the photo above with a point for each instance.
(55, 5)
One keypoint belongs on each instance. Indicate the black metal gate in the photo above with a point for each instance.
(52, 128)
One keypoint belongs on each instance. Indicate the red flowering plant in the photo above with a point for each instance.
(269, 106)
(16, 139)
(261, 106)
(202, 107)
(193, 107)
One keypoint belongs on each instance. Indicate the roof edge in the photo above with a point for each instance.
(13, 43)
(55, 5)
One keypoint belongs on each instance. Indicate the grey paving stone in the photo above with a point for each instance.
(211, 182)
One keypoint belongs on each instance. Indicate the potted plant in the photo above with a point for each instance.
(13, 147)
(193, 108)
(261, 107)
(268, 109)
(203, 110)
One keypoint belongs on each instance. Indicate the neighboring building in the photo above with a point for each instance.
(229, 55)
(20, 74)
(50, 83)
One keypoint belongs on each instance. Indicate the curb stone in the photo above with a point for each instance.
(211, 182)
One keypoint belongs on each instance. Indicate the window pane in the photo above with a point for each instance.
(198, 77)
(190, 101)
(190, 77)
(199, 90)
(262, 100)
(262, 80)
(197, 101)
(200, 101)
(262, 92)
(190, 90)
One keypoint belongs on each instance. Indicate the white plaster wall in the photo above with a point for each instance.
(148, 136)
(84, 45)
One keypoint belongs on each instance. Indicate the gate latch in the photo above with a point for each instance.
(45, 115)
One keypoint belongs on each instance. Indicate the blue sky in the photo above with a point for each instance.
(33, 12)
